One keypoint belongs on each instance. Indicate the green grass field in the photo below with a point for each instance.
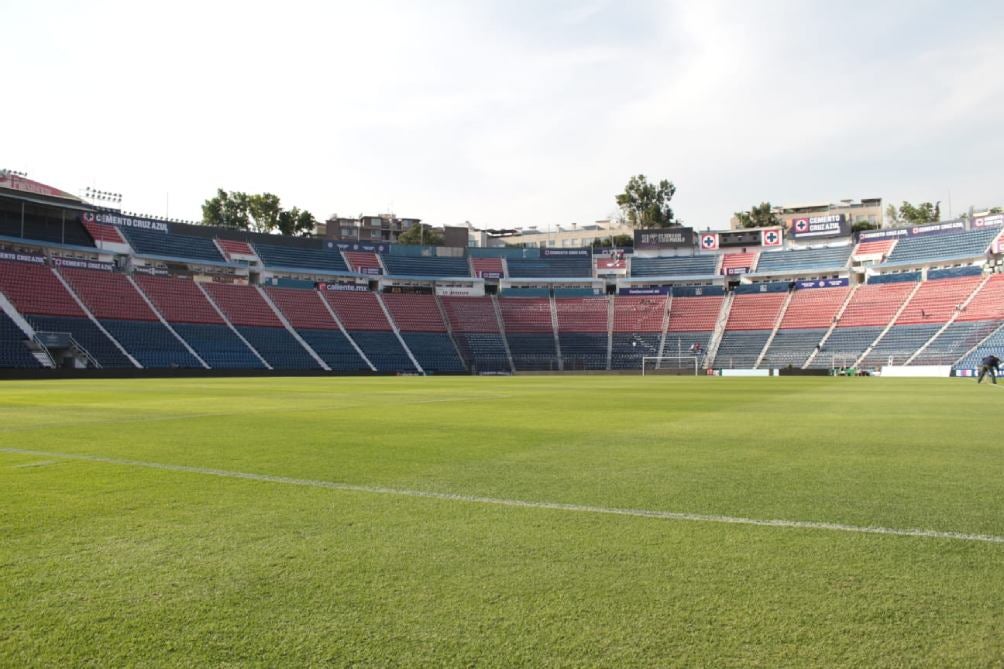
(105, 562)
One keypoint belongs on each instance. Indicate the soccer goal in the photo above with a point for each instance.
(670, 364)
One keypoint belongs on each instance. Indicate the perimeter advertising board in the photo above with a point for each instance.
(830, 225)
(664, 238)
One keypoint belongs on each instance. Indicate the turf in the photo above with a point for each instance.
(108, 564)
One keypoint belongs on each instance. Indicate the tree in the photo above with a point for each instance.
(619, 241)
(259, 212)
(646, 205)
(421, 234)
(909, 214)
(864, 225)
(760, 216)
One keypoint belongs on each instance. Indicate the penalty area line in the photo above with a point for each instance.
(518, 503)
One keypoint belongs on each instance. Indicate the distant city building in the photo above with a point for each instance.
(383, 228)
(562, 236)
(866, 210)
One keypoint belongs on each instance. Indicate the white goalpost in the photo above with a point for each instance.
(670, 364)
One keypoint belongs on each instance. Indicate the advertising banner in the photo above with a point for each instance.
(22, 257)
(651, 290)
(735, 271)
(823, 283)
(565, 253)
(830, 225)
(475, 290)
(342, 285)
(127, 221)
(709, 241)
(489, 275)
(770, 236)
(992, 221)
(925, 230)
(664, 238)
(150, 270)
(357, 246)
(84, 264)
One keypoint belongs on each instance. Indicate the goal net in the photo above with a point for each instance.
(671, 364)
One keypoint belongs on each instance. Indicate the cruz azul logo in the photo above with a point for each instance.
(801, 225)
(771, 238)
(709, 241)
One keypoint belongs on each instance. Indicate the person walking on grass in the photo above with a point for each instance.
(990, 365)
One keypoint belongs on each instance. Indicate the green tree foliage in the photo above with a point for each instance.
(760, 216)
(646, 205)
(619, 241)
(421, 234)
(909, 214)
(864, 225)
(258, 212)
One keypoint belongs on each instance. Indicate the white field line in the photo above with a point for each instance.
(518, 503)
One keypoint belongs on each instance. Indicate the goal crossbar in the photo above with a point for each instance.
(676, 363)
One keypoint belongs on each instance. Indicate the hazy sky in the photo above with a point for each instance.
(506, 113)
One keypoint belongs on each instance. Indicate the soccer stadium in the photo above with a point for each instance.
(663, 439)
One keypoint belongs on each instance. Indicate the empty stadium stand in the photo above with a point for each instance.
(476, 330)
(934, 247)
(305, 311)
(363, 262)
(674, 266)
(739, 263)
(530, 332)
(491, 267)
(102, 232)
(165, 245)
(637, 329)
(431, 266)
(14, 351)
(292, 257)
(582, 331)
(811, 260)
(364, 319)
(423, 330)
(747, 329)
(807, 318)
(552, 267)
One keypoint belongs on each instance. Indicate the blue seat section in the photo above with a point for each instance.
(278, 347)
(289, 256)
(151, 344)
(434, 351)
(384, 350)
(526, 292)
(809, 260)
(335, 349)
(558, 268)
(897, 277)
(922, 248)
(954, 272)
(583, 350)
(957, 339)
(483, 352)
(628, 349)
(533, 351)
(739, 349)
(899, 343)
(13, 346)
(845, 346)
(218, 346)
(87, 335)
(791, 347)
(674, 266)
(994, 344)
(176, 246)
(426, 266)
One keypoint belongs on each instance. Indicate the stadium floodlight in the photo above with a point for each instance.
(670, 364)
(13, 173)
(102, 195)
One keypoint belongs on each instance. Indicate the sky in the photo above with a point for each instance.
(508, 113)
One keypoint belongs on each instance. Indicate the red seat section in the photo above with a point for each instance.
(874, 304)
(492, 267)
(34, 289)
(813, 308)
(639, 313)
(179, 300)
(879, 247)
(102, 232)
(243, 305)
(414, 313)
(582, 314)
(739, 263)
(936, 301)
(526, 314)
(988, 303)
(694, 314)
(302, 308)
(108, 295)
(471, 314)
(231, 247)
(363, 262)
(357, 310)
(755, 311)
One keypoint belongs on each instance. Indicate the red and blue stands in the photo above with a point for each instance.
(530, 332)
(237, 250)
(476, 330)
(305, 311)
(809, 315)
(254, 319)
(363, 262)
(878, 248)
(637, 329)
(739, 263)
(186, 308)
(422, 327)
(42, 299)
(366, 323)
(750, 322)
(691, 321)
(871, 308)
(491, 268)
(14, 352)
(582, 331)
(982, 319)
(102, 232)
(126, 316)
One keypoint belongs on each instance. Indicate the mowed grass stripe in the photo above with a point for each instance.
(527, 504)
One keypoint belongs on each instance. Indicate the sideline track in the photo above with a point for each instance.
(517, 503)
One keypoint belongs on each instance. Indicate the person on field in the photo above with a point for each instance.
(990, 365)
